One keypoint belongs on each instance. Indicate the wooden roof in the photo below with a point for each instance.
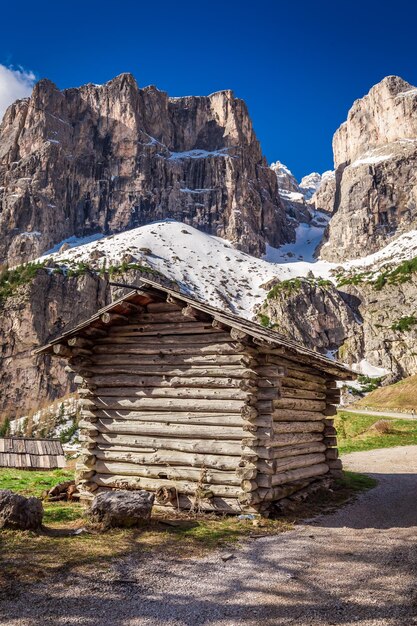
(31, 453)
(151, 290)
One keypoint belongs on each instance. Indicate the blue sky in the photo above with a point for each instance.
(298, 65)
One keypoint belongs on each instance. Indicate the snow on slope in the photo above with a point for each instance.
(211, 270)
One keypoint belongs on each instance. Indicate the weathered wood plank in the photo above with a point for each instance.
(107, 452)
(151, 429)
(299, 404)
(152, 484)
(200, 446)
(177, 473)
(166, 404)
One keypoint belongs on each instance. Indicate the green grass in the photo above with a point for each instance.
(32, 483)
(357, 432)
(400, 396)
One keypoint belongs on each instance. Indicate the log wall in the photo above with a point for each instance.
(175, 403)
(167, 400)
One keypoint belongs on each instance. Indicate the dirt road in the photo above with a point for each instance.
(357, 566)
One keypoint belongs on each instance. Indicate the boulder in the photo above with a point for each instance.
(122, 508)
(18, 512)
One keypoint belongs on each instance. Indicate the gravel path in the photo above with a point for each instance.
(357, 566)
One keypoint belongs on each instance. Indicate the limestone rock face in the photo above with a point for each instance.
(353, 323)
(375, 153)
(108, 158)
(291, 195)
(323, 198)
(18, 512)
(310, 312)
(39, 311)
(380, 337)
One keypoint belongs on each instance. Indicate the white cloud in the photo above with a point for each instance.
(14, 84)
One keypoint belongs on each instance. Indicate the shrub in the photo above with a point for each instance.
(404, 323)
(384, 427)
(12, 279)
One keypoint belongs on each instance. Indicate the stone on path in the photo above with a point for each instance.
(122, 508)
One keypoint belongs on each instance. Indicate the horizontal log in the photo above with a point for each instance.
(166, 457)
(288, 415)
(289, 392)
(303, 373)
(152, 429)
(113, 319)
(301, 460)
(221, 393)
(189, 326)
(332, 454)
(79, 342)
(128, 308)
(177, 473)
(200, 446)
(196, 405)
(297, 427)
(330, 441)
(272, 494)
(163, 359)
(297, 383)
(165, 307)
(298, 474)
(182, 371)
(330, 431)
(267, 466)
(130, 335)
(156, 349)
(61, 349)
(286, 439)
(94, 332)
(299, 404)
(330, 410)
(229, 506)
(163, 381)
(295, 450)
(209, 419)
(334, 464)
(166, 340)
(152, 484)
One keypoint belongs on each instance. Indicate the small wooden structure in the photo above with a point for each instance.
(36, 454)
(206, 409)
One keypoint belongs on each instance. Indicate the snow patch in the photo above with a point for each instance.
(367, 369)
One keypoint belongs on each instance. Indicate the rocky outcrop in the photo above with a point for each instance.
(111, 157)
(36, 313)
(312, 312)
(323, 198)
(292, 196)
(353, 322)
(375, 153)
(387, 333)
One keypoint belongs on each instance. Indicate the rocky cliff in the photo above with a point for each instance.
(375, 154)
(34, 313)
(103, 159)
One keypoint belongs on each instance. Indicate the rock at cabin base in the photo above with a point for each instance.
(18, 512)
(122, 508)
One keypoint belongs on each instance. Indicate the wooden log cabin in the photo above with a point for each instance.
(208, 410)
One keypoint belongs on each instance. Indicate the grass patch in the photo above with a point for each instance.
(32, 483)
(401, 396)
(358, 432)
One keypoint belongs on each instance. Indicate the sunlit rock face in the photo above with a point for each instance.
(106, 158)
(375, 154)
